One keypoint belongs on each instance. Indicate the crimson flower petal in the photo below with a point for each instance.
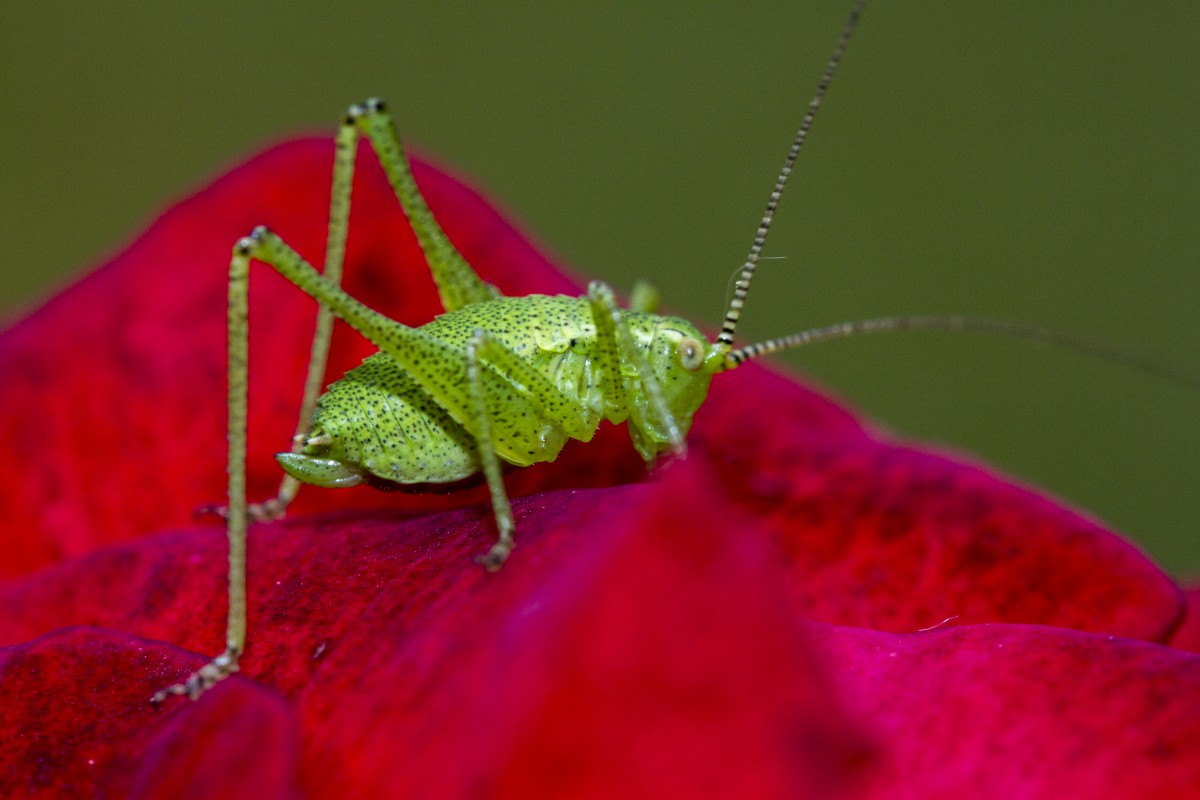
(637, 626)
(83, 727)
(885, 536)
(644, 651)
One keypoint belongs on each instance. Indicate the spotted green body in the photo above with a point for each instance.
(381, 421)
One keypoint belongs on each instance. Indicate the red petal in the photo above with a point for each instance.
(651, 655)
(643, 650)
(1022, 711)
(242, 743)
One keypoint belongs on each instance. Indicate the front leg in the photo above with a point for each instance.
(201, 680)
(226, 663)
(615, 348)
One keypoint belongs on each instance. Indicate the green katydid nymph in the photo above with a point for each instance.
(494, 380)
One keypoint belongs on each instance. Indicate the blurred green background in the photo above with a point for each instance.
(1021, 160)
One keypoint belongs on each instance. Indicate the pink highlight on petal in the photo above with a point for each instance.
(1021, 711)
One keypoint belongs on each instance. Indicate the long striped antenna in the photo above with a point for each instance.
(742, 287)
(1183, 376)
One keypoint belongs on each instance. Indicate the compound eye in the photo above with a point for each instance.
(691, 353)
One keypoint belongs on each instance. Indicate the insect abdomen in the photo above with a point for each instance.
(378, 419)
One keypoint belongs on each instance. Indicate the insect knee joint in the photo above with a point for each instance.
(366, 108)
(248, 244)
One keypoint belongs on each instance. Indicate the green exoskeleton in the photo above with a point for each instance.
(493, 380)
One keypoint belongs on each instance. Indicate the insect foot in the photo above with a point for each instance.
(266, 511)
(202, 679)
(494, 559)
